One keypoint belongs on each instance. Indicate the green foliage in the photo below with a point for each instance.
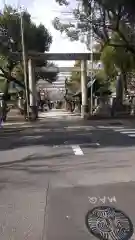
(117, 59)
(2, 84)
(48, 76)
(103, 83)
(113, 24)
(108, 17)
(101, 76)
(74, 82)
(62, 2)
(76, 75)
(36, 38)
(108, 59)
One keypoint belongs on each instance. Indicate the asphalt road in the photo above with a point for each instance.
(52, 173)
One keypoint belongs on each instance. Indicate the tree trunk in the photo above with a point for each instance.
(119, 94)
(125, 81)
(117, 105)
(119, 89)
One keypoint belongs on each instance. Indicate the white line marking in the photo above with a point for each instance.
(77, 150)
(80, 127)
(126, 129)
(94, 144)
(110, 127)
(84, 134)
(89, 128)
(131, 135)
(128, 132)
(31, 137)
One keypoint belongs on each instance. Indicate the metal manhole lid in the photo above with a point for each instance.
(108, 223)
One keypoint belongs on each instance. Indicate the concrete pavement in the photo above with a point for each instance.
(59, 114)
(53, 173)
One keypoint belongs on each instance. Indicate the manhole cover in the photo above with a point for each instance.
(108, 223)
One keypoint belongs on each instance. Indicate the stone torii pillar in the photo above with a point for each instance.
(32, 90)
(84, 90)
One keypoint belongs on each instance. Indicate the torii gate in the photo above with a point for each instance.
(31, 56)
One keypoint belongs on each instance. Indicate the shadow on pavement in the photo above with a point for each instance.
(57, 134)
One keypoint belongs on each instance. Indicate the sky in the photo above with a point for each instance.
(44, 11)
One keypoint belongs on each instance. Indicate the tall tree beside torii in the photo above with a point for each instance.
(113, 25)
(36, 38)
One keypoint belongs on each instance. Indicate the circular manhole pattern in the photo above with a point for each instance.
(108, 223)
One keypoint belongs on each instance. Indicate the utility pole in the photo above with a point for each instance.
(90, 48)
(91, 56)
(24, 63)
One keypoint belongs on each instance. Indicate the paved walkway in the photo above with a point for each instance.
(59, 114)
(15, 120)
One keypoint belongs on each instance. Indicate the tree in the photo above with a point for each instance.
(102, 84)
(36, 38)
(50, 76)
(118, 60)
(74, 81)
(113, 25)
(73, 84)
(105, 17)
